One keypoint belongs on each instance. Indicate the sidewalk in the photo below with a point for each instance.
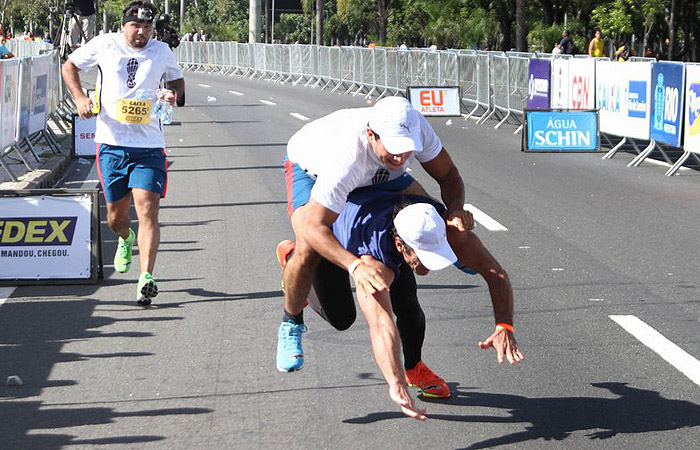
(45, 173)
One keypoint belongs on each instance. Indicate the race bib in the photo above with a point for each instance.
(134, 111)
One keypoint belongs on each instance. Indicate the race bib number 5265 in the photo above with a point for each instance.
(134, 111)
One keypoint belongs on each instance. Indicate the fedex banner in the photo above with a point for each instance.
(581, 83)
(538, 83)
(692, 108)
(43, 237)
(668, 81)
(623, 97)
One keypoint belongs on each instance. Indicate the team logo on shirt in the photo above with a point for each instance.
(131, 67)
(380, 176)
(404, 126)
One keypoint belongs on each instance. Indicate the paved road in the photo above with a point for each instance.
(586, 239)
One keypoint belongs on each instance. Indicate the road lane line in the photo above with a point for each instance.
(268, 102)
(236, 93)
(5, 293)
(484, 219)
(673, 354)
(299, 116)
(203, 85)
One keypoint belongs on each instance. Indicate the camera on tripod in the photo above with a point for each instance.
(69, 8)
(165, 33)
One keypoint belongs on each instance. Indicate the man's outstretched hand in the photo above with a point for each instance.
(504, 343)
(399, 394)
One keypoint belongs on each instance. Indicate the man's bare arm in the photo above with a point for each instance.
(72, 80)
(444, 171)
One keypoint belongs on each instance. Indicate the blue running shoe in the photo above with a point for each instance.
(290, 355)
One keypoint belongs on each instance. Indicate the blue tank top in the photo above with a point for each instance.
(364, 226)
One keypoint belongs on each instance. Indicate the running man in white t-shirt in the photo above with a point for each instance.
(329, 158)
(130, 155)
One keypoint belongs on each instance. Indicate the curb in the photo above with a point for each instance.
(44, 177)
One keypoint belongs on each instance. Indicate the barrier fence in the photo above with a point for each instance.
(32, 93)
(640, 100)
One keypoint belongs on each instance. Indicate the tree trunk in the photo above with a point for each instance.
(383, 10)
(319, 22)
(548, 11)
(521, 20)
(672, 31)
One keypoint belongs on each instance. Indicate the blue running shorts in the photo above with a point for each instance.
(299, 185)
(122, 169)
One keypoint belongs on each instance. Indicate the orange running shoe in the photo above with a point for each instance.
(430, 385)
(284, 252)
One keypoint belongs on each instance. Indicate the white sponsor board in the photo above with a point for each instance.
(622, 97)
(84, 136)
(691, 118)
(44, 237)
(560, 83)
(435, 101)
(39, 93)
(581, 83)
(9, 88)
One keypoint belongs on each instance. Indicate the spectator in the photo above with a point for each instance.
(624, 52)
(567, 45)
(596, 46)
(196, 37)
(4, 52)
(186, 37)
(403, 46)
(85, 21)
(203, 35)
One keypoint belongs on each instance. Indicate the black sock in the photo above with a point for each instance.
(294, 318)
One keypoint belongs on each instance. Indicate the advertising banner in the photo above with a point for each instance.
(44, 237)
(691, 118)
(39, 93)
(559, 97)
(25, 89)
(538, 83)
(562, 131)
(581, 83)
(666, 118)
(622, 97)
(9, 80)
(435, 101)
(84, 136)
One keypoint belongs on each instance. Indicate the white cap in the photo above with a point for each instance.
(396, 122)
(421, 228)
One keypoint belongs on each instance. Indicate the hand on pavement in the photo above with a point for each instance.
(504, 343)
(399, 394)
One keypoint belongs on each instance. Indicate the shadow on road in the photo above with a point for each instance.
(633, 411)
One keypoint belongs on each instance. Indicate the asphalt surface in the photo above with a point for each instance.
(586, 239)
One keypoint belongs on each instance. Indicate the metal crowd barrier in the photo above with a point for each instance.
(27, 109)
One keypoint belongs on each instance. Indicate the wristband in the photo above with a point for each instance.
(506, 326)
(353, 266)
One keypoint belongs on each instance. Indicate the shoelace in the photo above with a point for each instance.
(123, 249)
(291, 337)
(427, 376)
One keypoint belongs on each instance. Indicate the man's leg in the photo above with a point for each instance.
(147, 204)
(331, 296)
(410, 321)
(118, 216)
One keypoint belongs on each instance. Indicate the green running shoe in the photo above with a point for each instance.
(122, 259)
(146, 289)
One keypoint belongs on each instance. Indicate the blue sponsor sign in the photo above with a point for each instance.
(562, 131)
(637, 99)
(538, 83)
(667, 82)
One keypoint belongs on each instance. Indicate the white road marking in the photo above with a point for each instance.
(203, 85)
(299, 116)
(484, 218)
(268, 102)
(673, 354)
(5, 293)
(236, 93)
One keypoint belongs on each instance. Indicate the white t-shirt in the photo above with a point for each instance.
(335, 150)
(122, 71)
